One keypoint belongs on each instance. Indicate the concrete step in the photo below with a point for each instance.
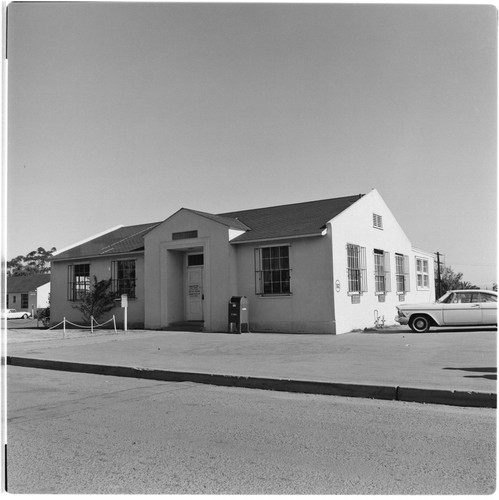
(186, 326)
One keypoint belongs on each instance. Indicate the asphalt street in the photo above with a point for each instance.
(85, 433)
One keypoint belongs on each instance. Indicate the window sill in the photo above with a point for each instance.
(273, 295)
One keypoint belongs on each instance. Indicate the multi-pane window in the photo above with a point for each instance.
(78, 281)
(124, 278)
(272, 271)
(402, 273)
(381, 271)
(24, 300)
(356, 268)
(422, 273)
(196, 259)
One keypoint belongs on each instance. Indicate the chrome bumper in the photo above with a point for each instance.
(402, 320)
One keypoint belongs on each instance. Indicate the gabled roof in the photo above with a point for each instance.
(287, 221)
(25, 284)
(122, 240)
(283, 221)
(231, 222)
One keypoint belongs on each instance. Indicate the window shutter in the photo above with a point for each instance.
(363, 269)
(114, 277)
(388, 281)
(70, 282)
(407, 284)
(258, 272)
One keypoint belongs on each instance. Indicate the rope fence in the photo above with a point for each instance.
(93, 324)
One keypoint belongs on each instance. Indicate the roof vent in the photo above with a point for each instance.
(377, 221)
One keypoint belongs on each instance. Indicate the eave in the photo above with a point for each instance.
(278, 238)
(99, 256)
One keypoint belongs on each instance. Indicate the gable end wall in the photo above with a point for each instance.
(355, 226)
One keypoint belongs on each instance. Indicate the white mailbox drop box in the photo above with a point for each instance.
(124, 304)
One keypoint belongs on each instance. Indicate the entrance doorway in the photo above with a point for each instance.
(194, 294)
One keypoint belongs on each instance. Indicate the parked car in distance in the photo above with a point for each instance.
(13, 314)
(455, 308)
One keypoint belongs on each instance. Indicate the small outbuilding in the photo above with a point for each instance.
(28, 293)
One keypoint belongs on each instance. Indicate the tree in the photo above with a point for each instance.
(451, 280)
(97, 301)
(36, 262)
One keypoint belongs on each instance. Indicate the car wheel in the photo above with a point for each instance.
(25, 316)
(420, 324)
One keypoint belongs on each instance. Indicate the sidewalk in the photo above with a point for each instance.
(444, 366)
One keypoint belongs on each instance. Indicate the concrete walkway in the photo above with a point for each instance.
(444, 366)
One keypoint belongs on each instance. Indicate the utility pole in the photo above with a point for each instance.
(439, 277)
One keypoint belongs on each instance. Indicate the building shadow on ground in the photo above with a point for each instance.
(489, 373)
(434, 330)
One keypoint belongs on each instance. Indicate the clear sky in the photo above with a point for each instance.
(124, 113)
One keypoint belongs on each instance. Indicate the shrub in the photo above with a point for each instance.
(96, 302)
(43, 315)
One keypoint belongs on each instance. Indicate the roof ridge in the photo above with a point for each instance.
(357, 196)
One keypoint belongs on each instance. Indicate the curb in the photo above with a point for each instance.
(396, 393)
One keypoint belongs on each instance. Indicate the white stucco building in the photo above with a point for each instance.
(327, 266)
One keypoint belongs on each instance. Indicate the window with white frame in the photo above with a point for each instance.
(78, 281)
(422, 273)
(356, 268)
(402, 273)
(123, 278)
(272, 271)
(382, 271)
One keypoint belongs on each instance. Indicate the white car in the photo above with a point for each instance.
(13, 314)
(455, 308)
